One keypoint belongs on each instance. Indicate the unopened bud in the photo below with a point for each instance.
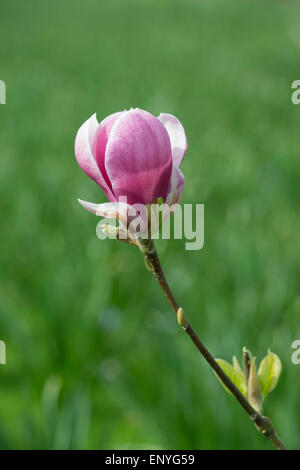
(181, 318)
(254, 392)
(247, 356)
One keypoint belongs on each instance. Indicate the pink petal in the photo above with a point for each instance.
(177, 137)
(99, 144)
(138, 157)
(83, 151)
(177, 187)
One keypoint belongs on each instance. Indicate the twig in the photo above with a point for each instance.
(262, 423)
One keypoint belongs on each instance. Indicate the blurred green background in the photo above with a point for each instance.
(95, 358)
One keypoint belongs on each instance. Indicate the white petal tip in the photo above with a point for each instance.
(89, 206)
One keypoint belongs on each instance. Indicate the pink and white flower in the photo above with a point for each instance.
(133, 155)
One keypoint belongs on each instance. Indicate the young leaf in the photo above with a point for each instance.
(235, 376)
(236, 365)
(269, 373)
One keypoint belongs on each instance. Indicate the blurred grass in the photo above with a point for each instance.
(94, 357)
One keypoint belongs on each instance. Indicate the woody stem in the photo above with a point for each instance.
(262, 423)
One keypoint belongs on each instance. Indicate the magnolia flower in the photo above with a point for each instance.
(133, 155)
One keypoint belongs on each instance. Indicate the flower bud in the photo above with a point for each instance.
(254, 392)
(135, 155)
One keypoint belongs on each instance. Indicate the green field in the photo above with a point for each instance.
(95, 358)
